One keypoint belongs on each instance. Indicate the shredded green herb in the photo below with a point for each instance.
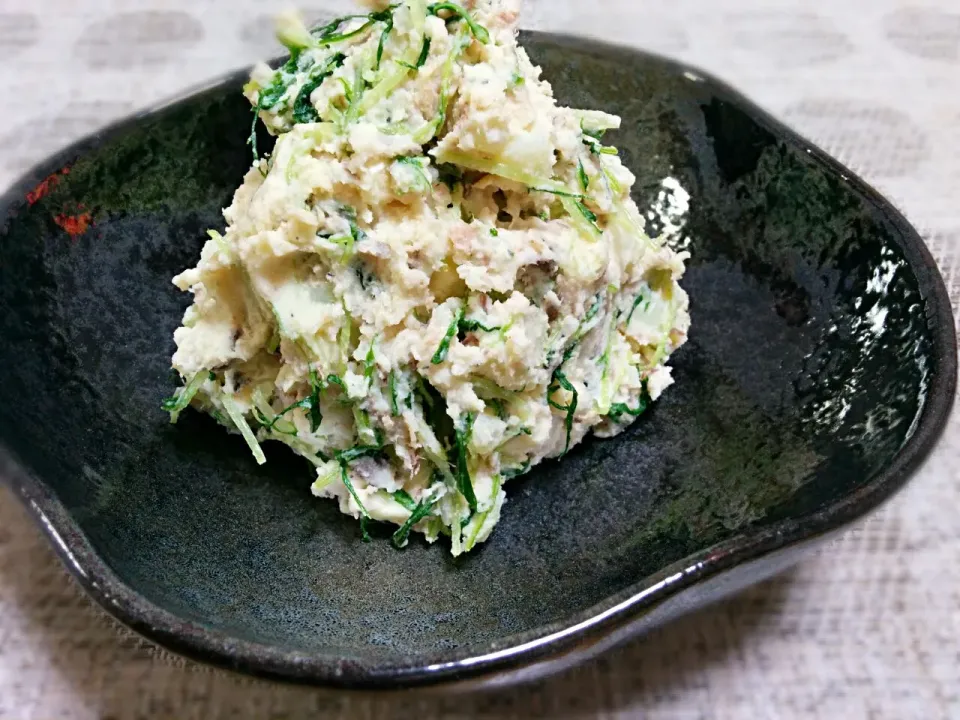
(421, 511)
(303, 109)
(336, 380)
(270, 425)
(403, 497)
(357, 452)
(394, 405)
(452, 331)
(462, 442)
(328, 34)
(582, 176)
(184, 396)
(344, 458)
(383, 39)
(595, 134)
(351, 217)
(558, 192)
(316, 415)
(498, 407)
(588, 214)
(560, 381)
(620, 409)
(252, 140)
(636, 303)
(370, 362)
(419, 165)
(468, 326)
(364, 515)
(494, 232)
(424, 53)
(478, 31)
(517, 471)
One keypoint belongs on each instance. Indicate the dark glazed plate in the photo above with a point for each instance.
(821, 369)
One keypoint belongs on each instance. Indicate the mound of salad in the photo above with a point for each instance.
(436, 280)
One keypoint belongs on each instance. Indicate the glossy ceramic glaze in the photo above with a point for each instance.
(820, 370)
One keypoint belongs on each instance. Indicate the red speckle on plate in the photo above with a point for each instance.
(45, 186)
(74, 225)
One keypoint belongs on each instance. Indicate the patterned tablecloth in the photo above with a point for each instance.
(868, 629)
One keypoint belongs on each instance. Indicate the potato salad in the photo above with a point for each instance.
(435, 281)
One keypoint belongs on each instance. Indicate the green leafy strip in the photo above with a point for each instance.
(468, 326)
(452, 331)
(422, 60)
(271, 425)
(574, 204)
(588, 214)
(594, 134)
(620, 409)
(424, 53)
(636, 303)
(478, 31)
(184, 396)
(383, 39)
(394, 405)
(462, 442)
(421, 511)
(582, 176)
(370, 362)
(364, 515)
(459, 326)
(559, 192)
(310, 405)
(344, 459)
(481, 518)
(598, 149)
(559, 382)
(336, 380)
(419, 165)
(252, 140)
(316, 415)
(517, 471)
(430, 130)
(403, 497)
(351, 216)
(328, 35)
(303, 109)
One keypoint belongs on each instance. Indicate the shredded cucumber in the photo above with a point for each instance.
(240, 422)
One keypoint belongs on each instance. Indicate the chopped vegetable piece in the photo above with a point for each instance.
(464, 483)
(240, 422)
(394, 406)
(184, 396)
(422, 510)
(582, 176)
(618, 410)
(424, 53)
(478, 31)
(560, 382)
(402, 497)
(452, 331)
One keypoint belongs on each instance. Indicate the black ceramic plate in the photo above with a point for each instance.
(820, 371)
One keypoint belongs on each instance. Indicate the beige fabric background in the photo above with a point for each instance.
(869, 629)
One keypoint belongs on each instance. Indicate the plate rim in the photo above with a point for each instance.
(545, 643)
